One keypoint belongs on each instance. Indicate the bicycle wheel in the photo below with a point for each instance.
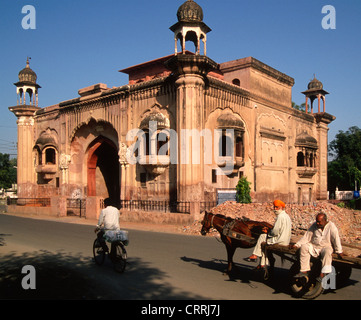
(98, 252)
(120, 259)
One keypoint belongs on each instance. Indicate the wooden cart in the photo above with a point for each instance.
(310, 287)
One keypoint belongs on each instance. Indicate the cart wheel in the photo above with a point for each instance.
(307, 287)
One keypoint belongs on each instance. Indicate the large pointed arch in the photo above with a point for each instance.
(103, 157)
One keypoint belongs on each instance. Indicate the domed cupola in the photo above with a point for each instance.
(315, 91)
(27, 74)
(315, 84)
(190, 27)
(27, 86)
(190, 11)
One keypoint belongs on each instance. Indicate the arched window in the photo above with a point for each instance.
(236, 82)
(225, 145)
(162, 140)
(300, 159)
(50, 156)
(239, 146)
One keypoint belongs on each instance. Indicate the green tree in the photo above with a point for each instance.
(243, 191)
(7, 171)
(345, 167)
(301, 107)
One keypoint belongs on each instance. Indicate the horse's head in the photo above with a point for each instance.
(206, 223)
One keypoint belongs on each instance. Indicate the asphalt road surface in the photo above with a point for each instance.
(161, 266)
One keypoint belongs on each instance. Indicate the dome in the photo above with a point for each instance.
(315, 84)
(190, 11)
(161, 120)
(228, 120)
(305, 140)
(27, 74)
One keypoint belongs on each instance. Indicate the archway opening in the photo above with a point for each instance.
(103, 170)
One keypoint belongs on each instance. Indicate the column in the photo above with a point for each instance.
(190, 167)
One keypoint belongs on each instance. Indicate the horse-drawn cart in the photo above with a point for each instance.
(243, 233)
(311, 286)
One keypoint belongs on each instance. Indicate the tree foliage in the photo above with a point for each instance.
(243, 191)
(7, 171)
(345, 167)
(301, 107)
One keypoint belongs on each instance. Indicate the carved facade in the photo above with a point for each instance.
(181, 129)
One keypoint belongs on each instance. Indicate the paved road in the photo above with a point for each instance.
(161, 266)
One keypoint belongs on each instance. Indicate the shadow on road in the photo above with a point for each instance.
(246, 274)
(71, 276)
(2, 239)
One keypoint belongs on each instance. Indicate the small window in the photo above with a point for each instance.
(143, 179)
(300, 159)
(236, 82)
(226, 146)
(50, 156)
(239, 147)
(311, 161)
(146, 143)
(162, 139)
(214, 176)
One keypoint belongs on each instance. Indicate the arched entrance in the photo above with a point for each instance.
(103, 170)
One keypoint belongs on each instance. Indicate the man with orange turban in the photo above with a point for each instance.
(281, 233)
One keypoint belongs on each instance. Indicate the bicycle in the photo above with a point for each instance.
(117, 255)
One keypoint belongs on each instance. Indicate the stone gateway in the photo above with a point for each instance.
(82, 146)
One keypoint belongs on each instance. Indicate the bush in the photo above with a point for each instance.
(341, 204)
(243, 194)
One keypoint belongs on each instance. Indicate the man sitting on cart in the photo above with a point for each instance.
(108, 220)
(281, 233)
(319, 241)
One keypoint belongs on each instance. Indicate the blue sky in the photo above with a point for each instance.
(80, 43)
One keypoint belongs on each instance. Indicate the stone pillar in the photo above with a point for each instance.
(190, 72)
(190, 169)
(93, 208)
(58, 206)
(26, 176)
(322, 119)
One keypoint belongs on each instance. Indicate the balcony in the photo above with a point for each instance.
(155, 165)
(306, 172)
(47, 170)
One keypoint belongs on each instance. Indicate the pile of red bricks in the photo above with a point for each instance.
(347, 221)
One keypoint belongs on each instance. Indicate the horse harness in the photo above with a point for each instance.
(228, 231)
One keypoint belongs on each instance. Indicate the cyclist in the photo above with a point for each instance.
(108, 220)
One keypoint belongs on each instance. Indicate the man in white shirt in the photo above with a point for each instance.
(108, 220)
(281, 233)
(319, 241)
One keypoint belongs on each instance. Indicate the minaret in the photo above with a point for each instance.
(190, 74)
(25, 112)
(323, 119)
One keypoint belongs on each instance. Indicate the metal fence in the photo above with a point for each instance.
(76, 207)
(164, 206)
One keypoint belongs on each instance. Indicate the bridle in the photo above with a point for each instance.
(207, 220)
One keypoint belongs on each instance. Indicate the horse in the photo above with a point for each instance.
(248, 232)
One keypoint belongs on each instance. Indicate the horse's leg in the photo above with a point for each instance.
(230, 254)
